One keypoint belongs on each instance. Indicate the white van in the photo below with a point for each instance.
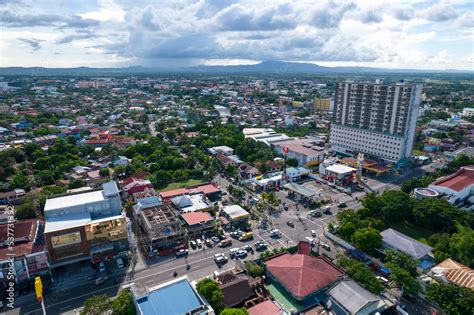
(120, 264)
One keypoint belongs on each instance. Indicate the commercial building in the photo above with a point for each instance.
(209, 190)
(375, 119)
(234, 215)
(85, 225)
(457, 186)
(264, 135)
(308, 151)
(301, 279)
(28, 251)
(198, 222)
(177, 296)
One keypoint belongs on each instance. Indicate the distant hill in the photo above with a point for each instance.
(268, 67)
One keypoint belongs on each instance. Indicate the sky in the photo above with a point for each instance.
(120, 33)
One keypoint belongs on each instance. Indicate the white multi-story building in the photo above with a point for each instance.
(376, 119)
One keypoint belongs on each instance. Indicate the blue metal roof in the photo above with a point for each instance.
(175, 298)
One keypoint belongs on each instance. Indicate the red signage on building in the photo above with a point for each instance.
(285, 149)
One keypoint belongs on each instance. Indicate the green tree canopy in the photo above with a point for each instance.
(96, 305)
(234, 311)
(452, 299)
(19, 180)
(210, 290)
(367, 239)
(404, 279)
(123, 304)
(361, 274)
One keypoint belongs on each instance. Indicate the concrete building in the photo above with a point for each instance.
(468, 112)
(85, 225)
(376, 119)
(322, 104)
(457, 186)
(177, 296)
(308, 151)
(161, 229)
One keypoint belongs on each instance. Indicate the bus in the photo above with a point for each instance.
(246, 236)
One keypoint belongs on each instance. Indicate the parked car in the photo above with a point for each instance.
(260, 246)
(215, 239)
(326, 247)
(290, 224)
(309, 239)
(225, 242)
(233, 252)
(247, 248)
(208, 242)
(193, 244)
(241, 253)
(199, 243)
(313, 233)
(101, 267)
(182, 253)
(220, 259)
(342, 205)
(120, 264)
(327, 210)
(274, 233)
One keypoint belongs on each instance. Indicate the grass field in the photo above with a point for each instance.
(189, 182)
(418, 233)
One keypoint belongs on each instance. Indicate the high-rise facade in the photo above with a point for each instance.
(376, 119)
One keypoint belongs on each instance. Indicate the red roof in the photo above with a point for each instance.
(203, 189)
(265, 308)
(302, 274)
(173, 193)
(193, 218)
(459, 180)
(24, 237)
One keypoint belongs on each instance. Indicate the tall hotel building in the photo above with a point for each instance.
(375, 119)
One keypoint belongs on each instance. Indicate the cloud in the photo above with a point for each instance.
(32, 42)
(439, 13)
(78, 36)
(27, 20)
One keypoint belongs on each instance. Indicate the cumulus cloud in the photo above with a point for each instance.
(27, 20)
(193, 31)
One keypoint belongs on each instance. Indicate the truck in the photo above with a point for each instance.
(225, 242)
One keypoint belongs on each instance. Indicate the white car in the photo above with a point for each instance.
(101, 267)
(120, 264)
(274, 233)
(313, 233)
(198, 242)
(309, 239)
(241, 253)
(326, 246)
(233, 251)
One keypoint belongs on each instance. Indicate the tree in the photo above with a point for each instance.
(361, 274)
(459, 245)
(401, 259)
(404, 279)
(253, 269)
(451, 298)
(235, 311)
(210, 290)
(396, 205)
(104, 172)
(96, 305)
(19, 180)
(25, 211)
(436, 214)
(367, 239)
(76, 183)
(292, 162)
(123, 304)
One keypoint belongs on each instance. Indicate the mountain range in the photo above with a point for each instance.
(265, 67)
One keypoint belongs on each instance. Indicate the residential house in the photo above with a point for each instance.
(349, 298)
(450, 271)
(392, 239)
